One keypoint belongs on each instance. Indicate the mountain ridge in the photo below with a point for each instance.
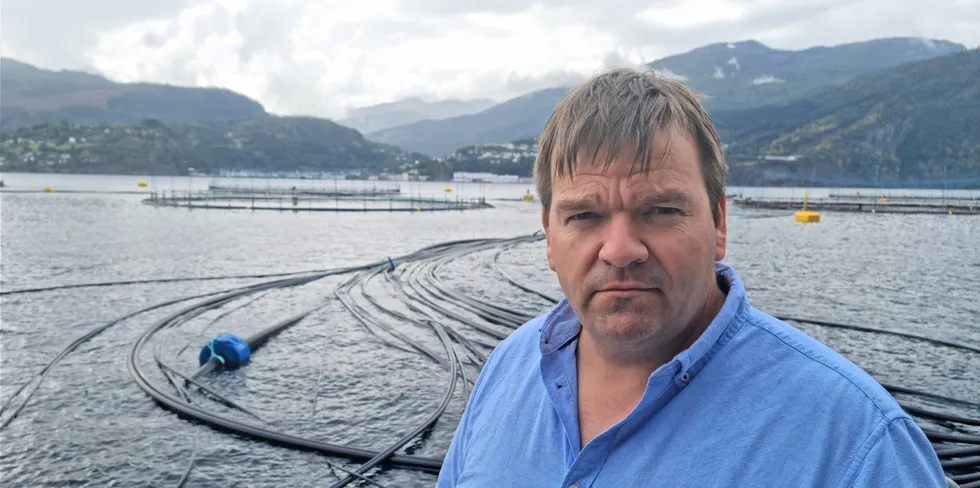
(443, 137)
(32, 96)
(382, 116)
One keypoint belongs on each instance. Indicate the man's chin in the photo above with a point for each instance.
(626, 326)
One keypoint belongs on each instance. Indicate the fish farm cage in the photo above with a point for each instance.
(869, 204)
(312, 200)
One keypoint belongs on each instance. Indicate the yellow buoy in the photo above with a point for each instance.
(806, 216)
(882, 200)
(48, 190)
(142, 184)
(448, 190)
(528, 196)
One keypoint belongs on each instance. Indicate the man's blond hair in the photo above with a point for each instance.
(622, 110)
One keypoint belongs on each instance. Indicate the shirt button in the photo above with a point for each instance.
(572, 486)
(685, 377)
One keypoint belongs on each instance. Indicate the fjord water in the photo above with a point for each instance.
(327, 377)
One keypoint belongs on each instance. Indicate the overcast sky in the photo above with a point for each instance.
(319, 57)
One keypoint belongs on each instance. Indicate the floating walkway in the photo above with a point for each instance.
(282, 191)
(78, 192)
(220, 200)
(869, 205)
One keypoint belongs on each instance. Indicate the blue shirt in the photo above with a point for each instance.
(753, 402)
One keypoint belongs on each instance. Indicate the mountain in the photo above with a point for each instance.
(31, 96)
(386, 115)
(516, 118)
(750, 74)
(908, 122)
(740, 75)
(263, 143)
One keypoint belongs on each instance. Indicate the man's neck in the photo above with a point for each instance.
(611, 380)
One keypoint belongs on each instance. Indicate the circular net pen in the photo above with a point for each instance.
(299, 200)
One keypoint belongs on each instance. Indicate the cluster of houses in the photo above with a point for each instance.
(511, 152)
(28, 151)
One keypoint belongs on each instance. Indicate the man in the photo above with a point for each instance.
(655, 371)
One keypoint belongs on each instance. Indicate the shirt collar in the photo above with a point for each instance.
(561, 327)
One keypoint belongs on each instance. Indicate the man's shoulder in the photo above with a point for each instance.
(821, 366)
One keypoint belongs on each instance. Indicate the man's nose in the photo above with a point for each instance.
(621, 244)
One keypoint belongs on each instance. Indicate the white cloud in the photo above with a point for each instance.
(322, 56)
(332, 58)
(694, 14)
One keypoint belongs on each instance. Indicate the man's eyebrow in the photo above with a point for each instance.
(666, 196)
(576, 204)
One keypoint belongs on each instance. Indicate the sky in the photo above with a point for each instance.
(321, 57)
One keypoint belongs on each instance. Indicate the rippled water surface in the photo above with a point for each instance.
(328, 377)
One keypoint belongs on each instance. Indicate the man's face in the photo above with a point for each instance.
(635, 254)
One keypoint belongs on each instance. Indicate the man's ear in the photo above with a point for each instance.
(721, 229)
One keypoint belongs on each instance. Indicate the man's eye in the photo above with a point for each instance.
(664, 210)
(582, 216)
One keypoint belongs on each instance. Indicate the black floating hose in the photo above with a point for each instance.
(926, 394)
(965, 478)
(958, 452)
(175, 404)
(431, 419)
(975, 484)
(966, 462)
(152, 281)
(514, 282)
(40, 375)
(921, 412)
(258, 340)
(939, 342)
(934, 435)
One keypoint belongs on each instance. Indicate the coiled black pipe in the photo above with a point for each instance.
(258, 340)
(954, 345)
(512, 281)
(174, 404)
(975, 484)
(934, 435)
(926, 394)
(431, 419)
(38, 377)
(170, 402)
(966, 478)
(921, 412)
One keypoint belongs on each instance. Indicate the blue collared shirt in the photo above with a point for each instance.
(753, 402)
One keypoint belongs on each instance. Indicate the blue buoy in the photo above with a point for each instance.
(229, 349)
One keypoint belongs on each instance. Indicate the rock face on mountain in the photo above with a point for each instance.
(907, 122)
(750, 74)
